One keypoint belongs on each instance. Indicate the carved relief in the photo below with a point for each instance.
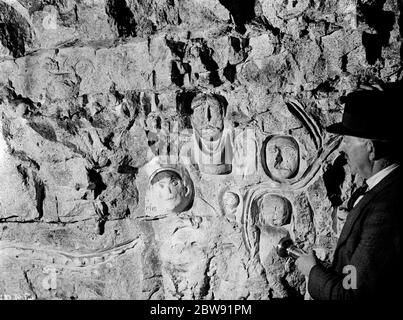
(230, 202)
(268, 222)
(68, 259)
(280, 157)
(211, 145)
(170, 188)
(272, 209)
(264, 211)
(183, 253)
(245, 154)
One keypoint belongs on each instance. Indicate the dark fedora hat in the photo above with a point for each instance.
(371, 114)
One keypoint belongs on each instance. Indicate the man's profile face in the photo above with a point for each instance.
(357, 155)
(208, 119)
(168, 188)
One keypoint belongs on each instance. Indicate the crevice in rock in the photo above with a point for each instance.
(95, 182)
(177, 47)
(36, 221)
(108, 141)
(15, 32)
(125, 167)
(230, 72)
(68, 125)
(176, 76)
(75, 149)
(102, 214)
(206, 58)
(23, 174)
(30, 286)
(326, 87)
(183, 103)
(179, 69)
(205, 286)
(241, 12)
(262, 22)
(22, 156)
(344, 62)
(373, 47)
(381, 21)
(40, 194)
(44, 129)
(120, 15)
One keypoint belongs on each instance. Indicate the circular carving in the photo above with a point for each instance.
(170, 188)
(280, 157)
(230, 201)
(271, 210)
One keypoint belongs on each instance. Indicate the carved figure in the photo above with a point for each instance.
(211, 145)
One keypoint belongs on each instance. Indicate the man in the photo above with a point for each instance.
(367, 260)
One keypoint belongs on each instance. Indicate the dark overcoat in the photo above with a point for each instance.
(370, 244)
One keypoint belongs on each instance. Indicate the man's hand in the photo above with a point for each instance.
(306, 262)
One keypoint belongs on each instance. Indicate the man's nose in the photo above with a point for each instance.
(208, 113)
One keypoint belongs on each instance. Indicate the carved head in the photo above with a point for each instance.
(208, 116)
(281, 157)
(272, 210)
(230, 201)
(170, 190)
(170, 187)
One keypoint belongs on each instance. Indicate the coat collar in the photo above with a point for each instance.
(358, 209)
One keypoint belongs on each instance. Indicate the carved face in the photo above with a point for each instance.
(230, 201)
(168, 189)
(208, 118)
(273, 210)
(282, 157)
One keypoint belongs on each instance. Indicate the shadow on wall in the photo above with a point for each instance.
(15, 32)
(333, 179)
(120, 13)
(241, 12)
(380, 20)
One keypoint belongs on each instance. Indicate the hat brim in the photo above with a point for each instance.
(340, 129)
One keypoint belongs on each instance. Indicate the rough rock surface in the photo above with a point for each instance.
(92, 90)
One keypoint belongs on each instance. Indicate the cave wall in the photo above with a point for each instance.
(96, 95)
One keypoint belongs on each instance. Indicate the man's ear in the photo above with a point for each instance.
(371, 150)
